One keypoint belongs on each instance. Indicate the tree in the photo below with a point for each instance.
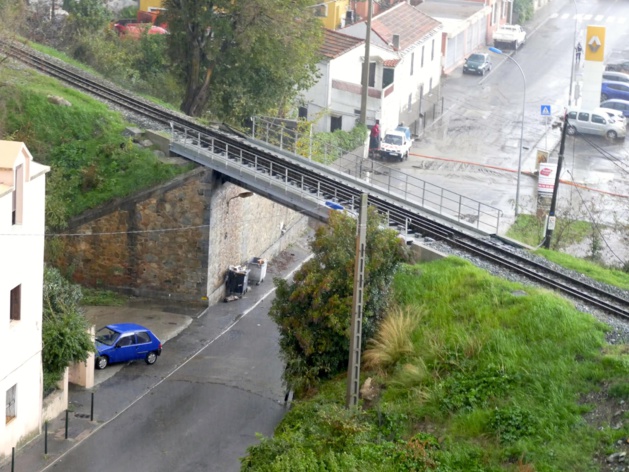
(242, 57)
(86, 16)
(313, 313)
(64, 329)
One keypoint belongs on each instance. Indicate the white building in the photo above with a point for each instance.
(405, 66)
(22, 202)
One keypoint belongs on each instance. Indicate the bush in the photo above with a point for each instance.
(65, 339)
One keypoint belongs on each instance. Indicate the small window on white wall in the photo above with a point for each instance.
(432, 51)
(18, 196)
(423, 48)
(412, 62)
(410, 100)
(430, 85)
(11, 404)
(16, 303)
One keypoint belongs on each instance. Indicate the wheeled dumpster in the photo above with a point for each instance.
(257, 270)
(236, 283)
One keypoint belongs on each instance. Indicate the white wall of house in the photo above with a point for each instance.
(390, 105)
(21, 264)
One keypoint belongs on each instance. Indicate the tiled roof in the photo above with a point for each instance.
(406, 21)
(390, 62)
(336, 44)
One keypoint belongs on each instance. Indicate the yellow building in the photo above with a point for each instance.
(148, 5)
(332, 13)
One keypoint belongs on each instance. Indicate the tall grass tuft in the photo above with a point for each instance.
(394, 340)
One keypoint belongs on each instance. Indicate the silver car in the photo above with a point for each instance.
(610, 76)
(595, 121)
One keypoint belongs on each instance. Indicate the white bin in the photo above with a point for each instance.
(257, 270)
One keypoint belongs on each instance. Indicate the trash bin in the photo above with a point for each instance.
(257, 269)
(237, 278)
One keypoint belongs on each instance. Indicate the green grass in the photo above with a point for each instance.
(591, 269)
(495, 381)
(98, 297)
(91, 162)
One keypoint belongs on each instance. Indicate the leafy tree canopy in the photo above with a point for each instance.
(240, 58)
(64, 329)
(313, 312)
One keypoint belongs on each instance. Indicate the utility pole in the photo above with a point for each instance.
(550, 226)
(365, 81)
(355, 340)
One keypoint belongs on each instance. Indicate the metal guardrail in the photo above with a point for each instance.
(391, 180)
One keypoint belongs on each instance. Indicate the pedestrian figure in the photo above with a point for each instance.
(579, 50)
(374, 139)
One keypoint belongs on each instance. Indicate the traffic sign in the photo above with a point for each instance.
(545, 110)
(595, 44)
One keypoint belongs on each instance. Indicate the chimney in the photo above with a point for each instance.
(396, 41)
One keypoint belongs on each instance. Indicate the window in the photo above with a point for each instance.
(372, 75)
(125, 341)
(412, 62)
(143, 337)
(16, 214)
(303, 112)
(11, 409)
(583, 116)
(388, 75)
(598, 119)
(410, 98)
(423, 48)
(16, 303)
(432, 51)
(336, 122)
(430, 85)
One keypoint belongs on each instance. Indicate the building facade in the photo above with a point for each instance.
(404, 69)
(22, 206)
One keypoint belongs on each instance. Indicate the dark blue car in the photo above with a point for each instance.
(124, 342)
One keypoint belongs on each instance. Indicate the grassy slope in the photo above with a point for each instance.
(493, 381)
(91, 162)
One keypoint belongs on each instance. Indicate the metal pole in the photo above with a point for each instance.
(92, 408)
(355, 340)
(517, 189)
(66, 424)
(573, 55)
(46, 438)
(12, 459)
(365, 89)
(553, 203)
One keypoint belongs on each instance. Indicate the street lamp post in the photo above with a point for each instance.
(517, 189)
(574, 43)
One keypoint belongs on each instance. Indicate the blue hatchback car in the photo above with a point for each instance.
(614, 90)
(124, 342)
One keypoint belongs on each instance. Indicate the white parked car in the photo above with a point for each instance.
(596, 121)
(513, 36)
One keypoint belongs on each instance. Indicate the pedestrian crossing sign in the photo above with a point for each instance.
(545, 110)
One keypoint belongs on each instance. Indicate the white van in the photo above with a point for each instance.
(595, 121)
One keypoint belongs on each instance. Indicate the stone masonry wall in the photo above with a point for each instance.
(176, 240)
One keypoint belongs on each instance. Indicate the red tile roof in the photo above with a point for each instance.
(406, 21)
(390, 62)
(336, 44)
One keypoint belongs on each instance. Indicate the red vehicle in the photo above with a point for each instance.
(146, 22)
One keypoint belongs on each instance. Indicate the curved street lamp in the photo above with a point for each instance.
(517, 189)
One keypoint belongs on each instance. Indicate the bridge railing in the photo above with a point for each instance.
(392, 180)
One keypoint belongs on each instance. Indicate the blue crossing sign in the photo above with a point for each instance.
(545, 110)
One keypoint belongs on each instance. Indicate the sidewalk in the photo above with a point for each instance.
(113, 393)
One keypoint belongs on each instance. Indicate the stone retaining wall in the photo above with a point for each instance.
(176, 240)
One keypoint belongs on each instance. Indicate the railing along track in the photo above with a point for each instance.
(406, 220)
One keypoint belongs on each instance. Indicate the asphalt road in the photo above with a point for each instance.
(476, 144)
(203, 414)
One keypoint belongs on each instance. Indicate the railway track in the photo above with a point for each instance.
(404, 218)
